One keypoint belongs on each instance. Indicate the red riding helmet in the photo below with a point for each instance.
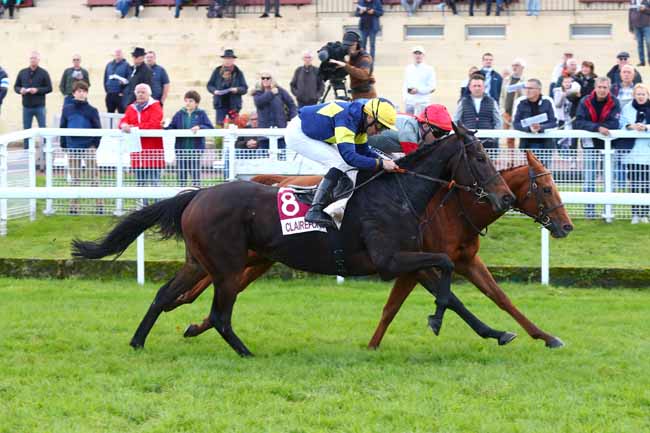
(436, 115)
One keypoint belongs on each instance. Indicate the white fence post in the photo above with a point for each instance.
(4, 156)
(49, 162)
(119, 178)
(31, 167)
(229, 144)
(140, 259)
(609, 174)
(545, 257)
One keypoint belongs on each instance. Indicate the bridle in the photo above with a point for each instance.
(475, 188)
(543, 213)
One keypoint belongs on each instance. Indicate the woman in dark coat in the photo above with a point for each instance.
(275, 107)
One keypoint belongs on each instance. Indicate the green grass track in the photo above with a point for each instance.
(65, 363)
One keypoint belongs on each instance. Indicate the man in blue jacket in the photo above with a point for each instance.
(493, 80)
(335, 135)
(81, 115)
(116, 77)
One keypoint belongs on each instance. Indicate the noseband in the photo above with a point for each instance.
(543, 213)
(475, 188)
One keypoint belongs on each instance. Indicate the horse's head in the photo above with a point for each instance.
(542, 200)
(472, 167)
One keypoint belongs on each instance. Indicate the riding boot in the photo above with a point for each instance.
(322, 198)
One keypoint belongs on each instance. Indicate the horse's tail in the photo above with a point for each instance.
(165, 213)
(268, 179)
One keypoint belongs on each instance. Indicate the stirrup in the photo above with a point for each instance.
(318, 216)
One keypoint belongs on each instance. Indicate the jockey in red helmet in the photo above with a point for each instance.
(434, 120)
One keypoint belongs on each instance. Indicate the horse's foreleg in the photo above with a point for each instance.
(428, 280)
(225, 295)
(476, 272)
(401, 289)
(249, 275)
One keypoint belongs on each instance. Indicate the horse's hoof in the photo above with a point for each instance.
(191, 331)
(554, 343)
(136, 345)
(435, 325)
(506, 338)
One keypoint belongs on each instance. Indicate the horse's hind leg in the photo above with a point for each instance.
(401, 289)
(189, 274)
(249, 275)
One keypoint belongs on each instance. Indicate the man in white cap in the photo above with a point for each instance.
(419, 83)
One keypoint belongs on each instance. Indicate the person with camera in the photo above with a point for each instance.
(358, 66)
(335, 134)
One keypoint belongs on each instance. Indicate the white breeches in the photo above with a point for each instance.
(318, 151)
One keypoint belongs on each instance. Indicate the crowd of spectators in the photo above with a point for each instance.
(490, 98)
(578, 99)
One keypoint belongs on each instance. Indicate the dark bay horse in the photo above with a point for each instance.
(380, 232)
(452, 229)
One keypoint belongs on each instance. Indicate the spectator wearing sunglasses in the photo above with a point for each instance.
(72, 75)
(275, 107)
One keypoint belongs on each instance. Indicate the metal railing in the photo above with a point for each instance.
(511, 7)
(584, 177)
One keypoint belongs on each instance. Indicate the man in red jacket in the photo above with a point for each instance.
(145, 113)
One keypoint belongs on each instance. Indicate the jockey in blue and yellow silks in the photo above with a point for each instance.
(335, 134)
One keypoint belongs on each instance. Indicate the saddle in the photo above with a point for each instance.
(305, 194)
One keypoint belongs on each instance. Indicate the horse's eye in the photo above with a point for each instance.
(480, 159)
(547, 190)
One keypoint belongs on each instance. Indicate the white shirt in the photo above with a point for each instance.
(625, 95)
(477, 103)
(422, 77)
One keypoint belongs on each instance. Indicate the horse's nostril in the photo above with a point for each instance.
(567, 227)
(507, 199)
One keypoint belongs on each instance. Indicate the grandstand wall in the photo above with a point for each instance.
(189, 47)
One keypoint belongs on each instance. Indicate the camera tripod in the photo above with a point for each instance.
(339, 90)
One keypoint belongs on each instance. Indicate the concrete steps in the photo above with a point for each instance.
(190, 47)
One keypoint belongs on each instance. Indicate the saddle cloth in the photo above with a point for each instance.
(294, 202)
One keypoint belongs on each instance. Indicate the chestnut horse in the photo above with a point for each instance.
(380, 232)
(452, 229)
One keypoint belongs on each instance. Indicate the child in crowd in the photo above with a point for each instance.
(188, 149)
(81, 151)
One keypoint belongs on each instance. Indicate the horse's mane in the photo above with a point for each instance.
(408, 161)
(509, 169)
